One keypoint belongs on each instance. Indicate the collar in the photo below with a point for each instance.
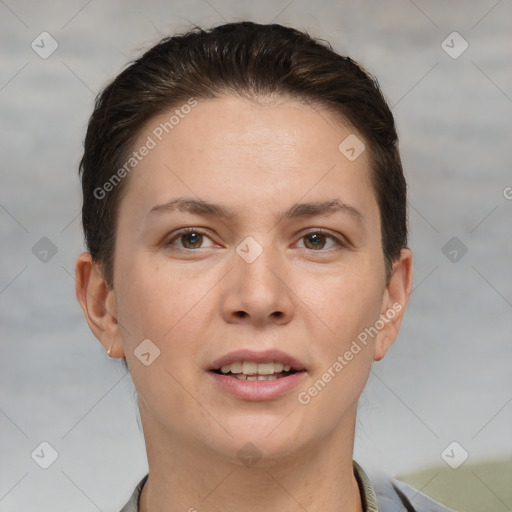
(368, 497)
(366, 490)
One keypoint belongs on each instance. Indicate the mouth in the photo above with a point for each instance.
(257, 376)
(251, 370)
(250, 365)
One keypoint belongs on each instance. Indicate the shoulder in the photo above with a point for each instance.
(390, 492)
(133, 503)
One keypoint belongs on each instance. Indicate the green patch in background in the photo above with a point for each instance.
(478, 487)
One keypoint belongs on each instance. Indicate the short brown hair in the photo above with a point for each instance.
(248, 60)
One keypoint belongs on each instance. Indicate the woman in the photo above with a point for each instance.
(245, 218)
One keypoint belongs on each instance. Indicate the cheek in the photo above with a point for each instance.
(166, 308)
(162, 303)
(343, 307)
(346, 306)
(343, 301)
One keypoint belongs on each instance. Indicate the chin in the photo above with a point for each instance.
(263, 439)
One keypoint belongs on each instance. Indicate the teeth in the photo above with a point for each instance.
(246, 369)
(266, 368)
(249, 368)
(236, 367)
(241, 376)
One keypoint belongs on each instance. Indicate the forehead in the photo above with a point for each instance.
(284, 128)
(250, 153)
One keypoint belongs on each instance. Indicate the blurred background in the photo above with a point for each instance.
(437, 411)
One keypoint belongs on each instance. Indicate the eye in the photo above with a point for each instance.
(190, 239)
(317, 240)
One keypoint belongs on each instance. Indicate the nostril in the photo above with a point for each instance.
(243, 314)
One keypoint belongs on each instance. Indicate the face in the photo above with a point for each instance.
(248, 243)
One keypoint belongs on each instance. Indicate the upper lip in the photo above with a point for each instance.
(277, 356)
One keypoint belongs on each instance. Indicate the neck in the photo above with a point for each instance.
(186, 478)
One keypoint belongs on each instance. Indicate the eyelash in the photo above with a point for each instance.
(339, 242)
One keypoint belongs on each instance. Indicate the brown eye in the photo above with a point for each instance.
(315, 241)
(191, 240)
(318, 241)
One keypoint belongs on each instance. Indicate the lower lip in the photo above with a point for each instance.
(258, 390)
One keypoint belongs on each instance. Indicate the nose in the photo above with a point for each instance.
(258, 292)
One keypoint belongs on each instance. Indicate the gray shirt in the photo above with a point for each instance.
(382, 494)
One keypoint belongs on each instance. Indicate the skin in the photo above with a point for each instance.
(309, 297)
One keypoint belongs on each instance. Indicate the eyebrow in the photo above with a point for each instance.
(299, 210)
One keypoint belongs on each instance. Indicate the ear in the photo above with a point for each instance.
(98, 304)
(394, 302)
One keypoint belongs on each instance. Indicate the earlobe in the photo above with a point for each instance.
(396, 297)
(97, 301)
